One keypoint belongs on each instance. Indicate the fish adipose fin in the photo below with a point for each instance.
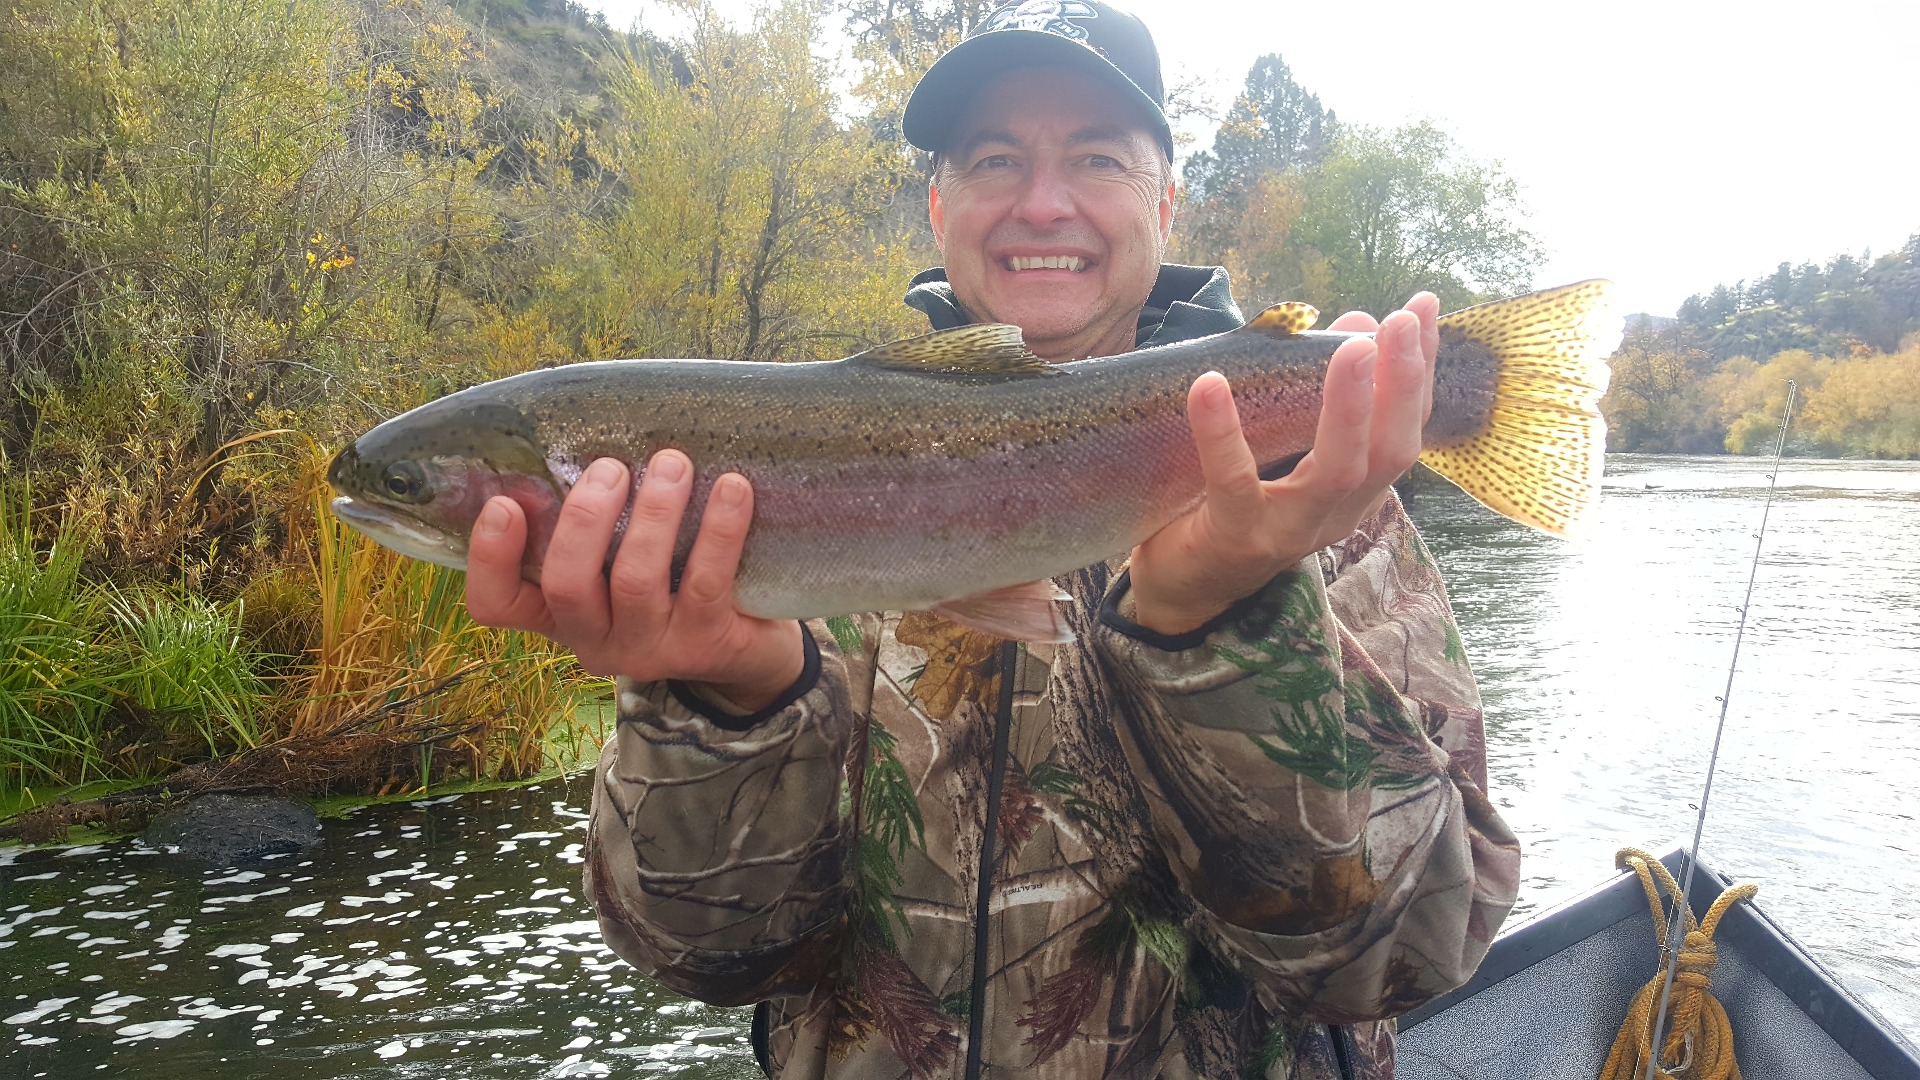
(1539, 455)
(988, 350)
(1026, 612)
(1287, 318)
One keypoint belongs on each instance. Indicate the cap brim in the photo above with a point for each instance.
(943, 94)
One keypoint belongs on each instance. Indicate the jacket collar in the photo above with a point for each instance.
(1186, 302)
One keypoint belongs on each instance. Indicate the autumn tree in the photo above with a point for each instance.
(1241, 199)
(1659, 399)
(1274, 127)
(1394, 212)
(1869, 406)
(744, 223)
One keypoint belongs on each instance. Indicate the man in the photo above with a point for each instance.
(1225, 832)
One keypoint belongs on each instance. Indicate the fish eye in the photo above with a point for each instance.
(404, 480)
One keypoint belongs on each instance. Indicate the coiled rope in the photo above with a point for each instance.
(1699, 1043)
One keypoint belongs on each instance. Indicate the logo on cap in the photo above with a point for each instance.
(1046, 16)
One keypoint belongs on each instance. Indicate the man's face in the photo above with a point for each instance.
(1052, 208)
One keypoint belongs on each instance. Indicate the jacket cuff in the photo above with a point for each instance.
(703, 702)
(1237, 613)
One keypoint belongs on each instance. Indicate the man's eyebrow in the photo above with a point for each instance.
(1099, 133)
(984, 138)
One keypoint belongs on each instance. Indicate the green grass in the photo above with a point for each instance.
(179, 663)
(53, 689)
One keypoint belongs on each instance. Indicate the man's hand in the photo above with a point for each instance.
(1378, 395)
(631, 622)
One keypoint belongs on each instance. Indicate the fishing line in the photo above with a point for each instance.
(1676, 925)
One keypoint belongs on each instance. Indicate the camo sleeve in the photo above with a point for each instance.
(718, 844)
(1316, 775)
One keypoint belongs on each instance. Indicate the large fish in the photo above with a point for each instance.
(957, 472)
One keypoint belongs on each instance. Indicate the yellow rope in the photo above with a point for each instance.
(1699, 1044)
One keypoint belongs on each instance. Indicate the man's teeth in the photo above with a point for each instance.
(1047, 262)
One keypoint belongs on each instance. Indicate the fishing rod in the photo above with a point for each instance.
(1676, 923)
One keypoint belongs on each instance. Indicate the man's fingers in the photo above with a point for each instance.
(1399, 405)
(496, 593)
(573, 576)
(1355, 322)
(642, 579)
(1337, 464)
(706, 585)
(1426, 307)
(1226, 462)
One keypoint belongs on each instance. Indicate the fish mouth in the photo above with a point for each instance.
(407, 535)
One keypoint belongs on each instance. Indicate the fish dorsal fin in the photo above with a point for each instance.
(985, 350)
(1291, 317)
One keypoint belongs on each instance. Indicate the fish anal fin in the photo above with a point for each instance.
(1291, 317)
(1025, 612)
(986, 350)
(1538, 457)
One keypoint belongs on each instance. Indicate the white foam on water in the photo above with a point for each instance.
(39, 1011)
(25, 916)
(154, 1029)
(353, 901)
(205, 1008)
(236, 878)
(216, 902)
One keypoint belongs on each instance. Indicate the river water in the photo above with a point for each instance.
(447, 938)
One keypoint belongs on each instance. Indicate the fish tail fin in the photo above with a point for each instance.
(1538, 458)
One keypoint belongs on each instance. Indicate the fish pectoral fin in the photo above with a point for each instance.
(985, 351)
(1025, 612)
(1288, 318)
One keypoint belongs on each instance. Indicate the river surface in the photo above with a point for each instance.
(447, 937)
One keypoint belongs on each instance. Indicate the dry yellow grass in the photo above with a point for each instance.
(396, 654)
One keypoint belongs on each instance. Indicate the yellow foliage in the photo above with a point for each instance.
(394, 650)
(1869, 406)
(744, 227)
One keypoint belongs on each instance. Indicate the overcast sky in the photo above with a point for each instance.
(1669, 145)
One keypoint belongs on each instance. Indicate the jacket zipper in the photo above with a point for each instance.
(983, 894)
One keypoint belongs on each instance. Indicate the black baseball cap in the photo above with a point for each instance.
(1084, 35)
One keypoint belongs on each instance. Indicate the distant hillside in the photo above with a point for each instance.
(1846, 334)
(1851, 304)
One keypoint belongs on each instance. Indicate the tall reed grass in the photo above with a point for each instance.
(347, 665)
(53, 692)
(180, 664)
(397, 651)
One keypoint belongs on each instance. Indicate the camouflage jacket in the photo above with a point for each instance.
(1232, 853)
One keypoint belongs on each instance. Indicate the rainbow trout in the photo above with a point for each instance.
(957, 472)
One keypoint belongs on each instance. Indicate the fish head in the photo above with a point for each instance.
(418, 482)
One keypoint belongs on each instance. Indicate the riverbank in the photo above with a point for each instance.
(107, 810)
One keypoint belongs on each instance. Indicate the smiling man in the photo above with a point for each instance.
(1231, 830)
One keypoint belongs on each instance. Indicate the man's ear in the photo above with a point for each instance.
(1166, 215)
(937, 215)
